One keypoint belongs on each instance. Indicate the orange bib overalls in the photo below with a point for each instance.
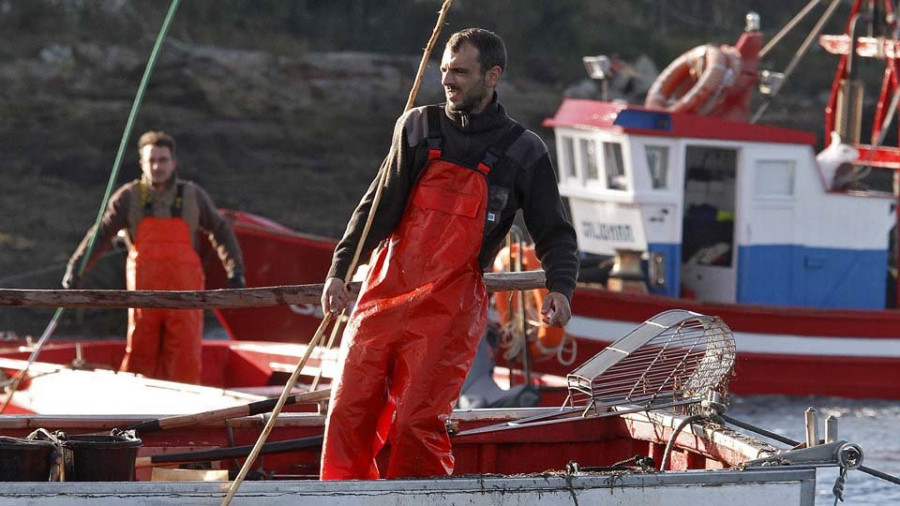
(415, 329)
(164, 343)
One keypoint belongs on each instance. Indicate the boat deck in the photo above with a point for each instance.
(748, 488)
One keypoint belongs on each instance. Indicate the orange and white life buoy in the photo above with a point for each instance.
(543, 341)
(696, 80)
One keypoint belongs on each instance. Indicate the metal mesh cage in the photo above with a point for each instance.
(672, 360)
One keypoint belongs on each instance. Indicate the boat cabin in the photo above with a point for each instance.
(719, 210)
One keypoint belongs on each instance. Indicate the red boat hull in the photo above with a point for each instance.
(780, 350)
(273, 256)
(784, 351)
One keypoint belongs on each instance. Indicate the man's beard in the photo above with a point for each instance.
(471, 99)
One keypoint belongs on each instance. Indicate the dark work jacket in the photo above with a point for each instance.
(523, 179)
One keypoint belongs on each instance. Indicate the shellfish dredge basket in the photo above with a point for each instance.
(671, 361)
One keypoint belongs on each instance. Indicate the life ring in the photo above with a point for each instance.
(543, 341)
(695, 81)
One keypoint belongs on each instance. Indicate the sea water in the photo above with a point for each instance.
(872, 424)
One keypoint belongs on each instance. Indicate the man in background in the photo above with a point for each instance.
(161, 215)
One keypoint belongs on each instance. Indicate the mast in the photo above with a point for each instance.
(844, 110)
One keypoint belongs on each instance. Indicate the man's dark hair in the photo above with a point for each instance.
(157, 138)
(491, 50)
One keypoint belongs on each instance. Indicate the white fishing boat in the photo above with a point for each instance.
(690, 201)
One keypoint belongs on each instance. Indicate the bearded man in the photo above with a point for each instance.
(456, 175)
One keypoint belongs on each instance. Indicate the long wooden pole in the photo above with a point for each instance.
(253, 408)
(359, 246)
(216, 299)
(270, 424)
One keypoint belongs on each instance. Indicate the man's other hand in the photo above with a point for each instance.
(556, 311)
(335, 296)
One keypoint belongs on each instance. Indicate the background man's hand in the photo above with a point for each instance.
(335, 296)
(556, 311)
(237, 280)
(71, 280)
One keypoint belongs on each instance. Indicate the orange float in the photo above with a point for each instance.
(696, 80)
(543, 341)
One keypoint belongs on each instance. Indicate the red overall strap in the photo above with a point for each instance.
(434, 139)
(490, 158)
(498, 150)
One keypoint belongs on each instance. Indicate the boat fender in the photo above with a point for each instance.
(548, 339)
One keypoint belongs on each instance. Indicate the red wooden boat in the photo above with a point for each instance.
(275, 255)
(588, 462)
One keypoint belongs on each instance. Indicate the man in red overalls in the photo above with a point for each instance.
(456, 176)
(162, 215)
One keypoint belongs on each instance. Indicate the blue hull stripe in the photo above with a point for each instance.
(812, 277)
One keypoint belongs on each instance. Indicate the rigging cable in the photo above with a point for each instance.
(796, 58)
(787, 28)
(54, 267)
(674, 437)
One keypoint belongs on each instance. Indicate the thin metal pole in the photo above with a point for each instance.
(793, 442)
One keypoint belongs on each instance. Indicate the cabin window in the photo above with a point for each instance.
(658, 165)
(569, 157)
(589, 159)
(774, 179)
(615, 166)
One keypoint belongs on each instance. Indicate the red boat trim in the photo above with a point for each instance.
(577, 113)
(800, 321)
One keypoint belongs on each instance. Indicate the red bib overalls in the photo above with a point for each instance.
(414, 332)
(164, 343)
